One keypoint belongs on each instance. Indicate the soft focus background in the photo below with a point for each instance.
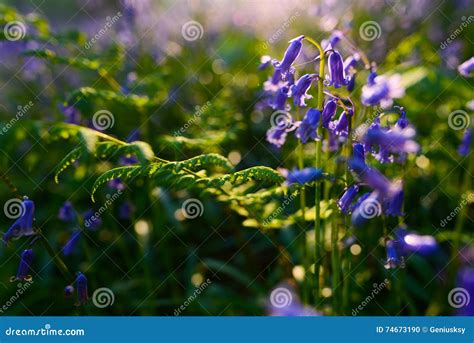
(203, 84)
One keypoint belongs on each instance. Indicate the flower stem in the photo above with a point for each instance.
(317, 190)
(55, 257)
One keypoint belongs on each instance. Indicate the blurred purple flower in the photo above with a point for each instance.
(23, 225)
(465, 146)
(71, 245)
(81, 285)
(465, 281)
(381, 90)
(393, 259)
(67, 212)
(68, 290)
(303, 176)
(276, 135)
(308, 126)
(71, 114)
(466, 69)
(346, 199)
(410, 242)
(26, 260)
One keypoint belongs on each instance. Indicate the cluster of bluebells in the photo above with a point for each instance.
(372, 194)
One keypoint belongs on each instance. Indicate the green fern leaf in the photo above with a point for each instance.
(70, 158)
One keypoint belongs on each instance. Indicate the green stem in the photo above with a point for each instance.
(317, 191)
(56, 259)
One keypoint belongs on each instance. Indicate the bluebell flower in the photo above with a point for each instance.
(128, 160)
(276, 135)
(335, 38)
(300, 89)
(71, 114)
(133, 136)
(328, 112)
(465, 280)
(275, 82)
(278, 102)
(67, 212)
(341, 126)
(71, 245)
(116, 184)
(370, 176)
(466, 69)
(402, 121)
(303, 176)
(465, 146)
(333, 141)
(393, 203)
(393, 259)
(308, 126)
(91, 221)
(395, 140)
(381, 90)
(264, 62)
(346, 199)
(410, 242)
(23, 225)
(358, 152)
(336, 71)
(359, 201)
(69, 290)
(81, 285)
(26, 260)
(367, 208)
(283, 301)
(291, 54)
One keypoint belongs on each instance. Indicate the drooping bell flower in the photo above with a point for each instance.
(116, 184)
(465, 284)
(81, 285)
(303, 176)
(381, 90)
(396, 140)
(276, 135)
(23, 225)
(402, 122)
(128, 160)
(359, 201)
(346, 199)
(328, 112)
(291, 54)
(411, 242)
(71, 245)
(67, 212)
(71, 114)
(26, 260)
(336, 71)
(358, 152)
(335, 38)
(300, 89)
(465, 146)
(370, 176)
(278, 102)
(308, 126)
(393, 203)
(466, 69)
(370, 207)
(383, 155)
(349, 70)
(341, 126)
(275, 82)
(69, 290)
(393, 259)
